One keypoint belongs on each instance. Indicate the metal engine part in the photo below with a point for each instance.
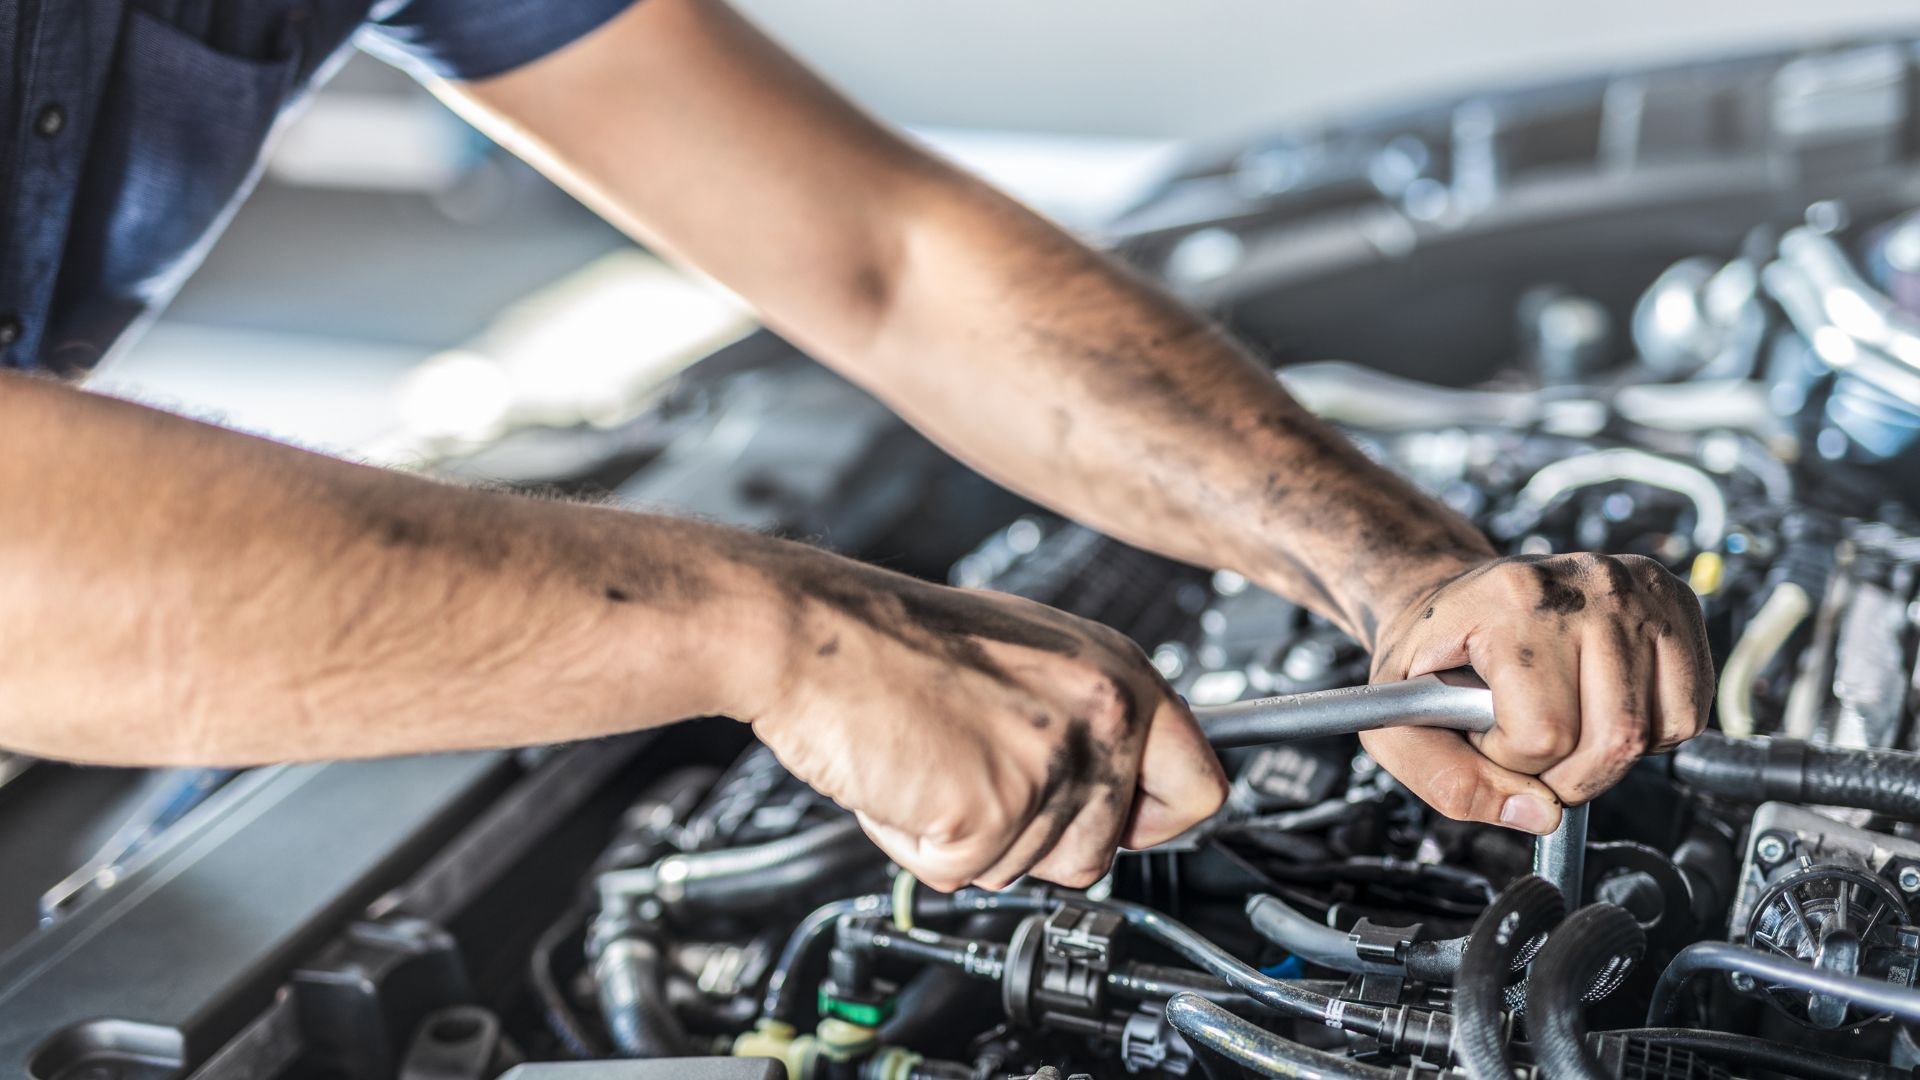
(1832, 895)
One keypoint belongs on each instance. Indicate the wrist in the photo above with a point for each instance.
(753, 633)
(1366, 593)
(768, 624)
(1409, 588)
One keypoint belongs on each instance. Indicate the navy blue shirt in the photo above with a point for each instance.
(131, 129)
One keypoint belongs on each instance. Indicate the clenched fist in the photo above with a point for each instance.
(1593, 660)
(977, 736)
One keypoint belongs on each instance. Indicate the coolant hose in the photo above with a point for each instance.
(633, 1000)
(1497, 945)
(1254, 1047)
(1705, 956)
(749, 880)
(1328, 947)
(1589, 954)
(1786, 607)
(1756, 770)
(1784, 1058)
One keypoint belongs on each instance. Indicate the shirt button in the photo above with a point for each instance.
(51, 121)
(9, 330)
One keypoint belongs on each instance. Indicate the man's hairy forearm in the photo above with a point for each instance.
(176, 592)
(1067, 377)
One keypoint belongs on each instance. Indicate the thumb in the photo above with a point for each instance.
(1181, 781)
(1445, 771)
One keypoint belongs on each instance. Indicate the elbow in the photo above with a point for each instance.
(893, 281)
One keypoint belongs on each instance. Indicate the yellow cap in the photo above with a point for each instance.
(1706, 573)
(842, 1039)
(773, 1039)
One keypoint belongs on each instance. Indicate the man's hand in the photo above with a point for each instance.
(1593, 660)
(978, 736)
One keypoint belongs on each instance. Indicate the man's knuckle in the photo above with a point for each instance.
(1628, 740)
(998, 822)
(1542, 742)
(1641, 566)
(1110, 704)
(957, 827)
(1083, 872)
(1657, 581)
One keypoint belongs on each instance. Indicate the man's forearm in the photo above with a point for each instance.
(176, 592)
(1067, 377)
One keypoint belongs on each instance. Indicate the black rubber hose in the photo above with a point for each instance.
(755, 879)
(1704, 956)
(1313, 942)
(1756, 770)
(647, 824)
(1766, 1054)
(1707, 859)
(926, 1007)
(630, 974)
(1251, 1046)
(983, 960)
(779, 1003)
(1587, 955)
(1327, 947)
(558, 1012)
(1157, 983)
(1500, 939)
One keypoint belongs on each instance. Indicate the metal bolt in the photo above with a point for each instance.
(1910, 879)
(1771, 849)
(1743, 982)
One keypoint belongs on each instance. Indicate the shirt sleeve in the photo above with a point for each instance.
(474, 39)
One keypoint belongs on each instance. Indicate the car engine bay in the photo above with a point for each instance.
(1672, 313)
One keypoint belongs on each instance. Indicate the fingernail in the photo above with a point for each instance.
(1527, 813)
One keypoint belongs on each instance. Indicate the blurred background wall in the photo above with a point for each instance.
(1199, 68)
